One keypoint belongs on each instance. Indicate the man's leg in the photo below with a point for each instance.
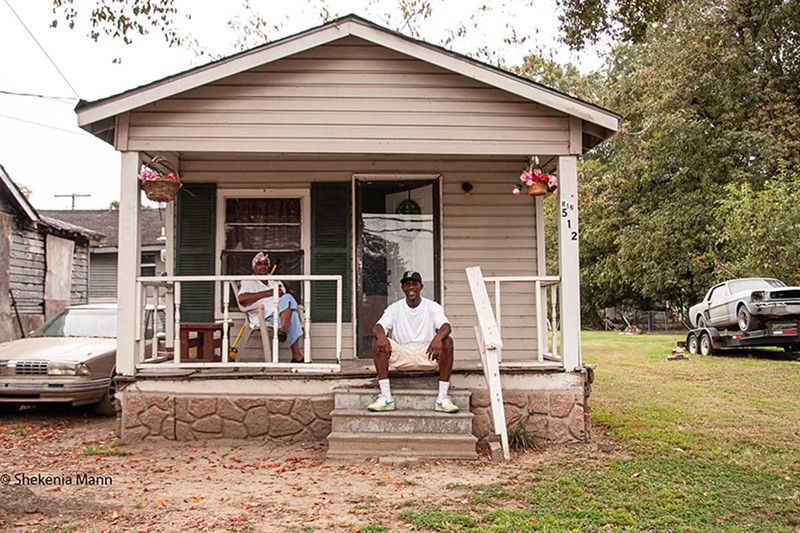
(446, 360)
(443, 402)
(385, 402)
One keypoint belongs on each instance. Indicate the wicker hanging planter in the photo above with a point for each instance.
(539, 188)
(159, 180)
(161, 189)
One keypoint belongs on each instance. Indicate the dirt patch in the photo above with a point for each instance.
(223, 485)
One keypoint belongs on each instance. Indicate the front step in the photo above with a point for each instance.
(400, 421)
(413, 430)
(431, 445)
(414, 399)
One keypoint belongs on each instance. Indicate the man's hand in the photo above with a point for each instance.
(435, 349)
(382, 346)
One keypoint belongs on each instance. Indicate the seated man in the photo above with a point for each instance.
(420, 341)
(256, 291)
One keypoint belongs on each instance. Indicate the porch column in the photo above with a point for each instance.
(568, 262)
(541, 270)
(128, 265)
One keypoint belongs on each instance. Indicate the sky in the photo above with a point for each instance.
(41, 146)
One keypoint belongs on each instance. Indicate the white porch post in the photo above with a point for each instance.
(541, 270)
(568, 262)
(169, 265)
(128, 264)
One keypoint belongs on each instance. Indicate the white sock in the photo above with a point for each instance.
(386, 392)
(444, 386)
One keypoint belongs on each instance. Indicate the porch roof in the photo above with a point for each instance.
(98, 117)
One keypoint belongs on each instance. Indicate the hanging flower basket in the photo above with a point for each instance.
(161, 189)
(534, 181)
(539, 188)
(159, 180)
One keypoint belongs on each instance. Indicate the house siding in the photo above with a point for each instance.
(489, 227)
(348, 96)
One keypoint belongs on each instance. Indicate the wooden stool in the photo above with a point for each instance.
(205, 341)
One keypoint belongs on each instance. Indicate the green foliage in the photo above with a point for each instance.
(432, 518)
(587, 21)
(758, 229)
(122, 19)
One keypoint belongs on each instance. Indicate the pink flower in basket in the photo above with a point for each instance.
(157, 168)
(533, 173)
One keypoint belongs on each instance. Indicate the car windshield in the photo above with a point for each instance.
(743, 285)
(81, 323)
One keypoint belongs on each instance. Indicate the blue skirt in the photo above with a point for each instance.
(295, 330)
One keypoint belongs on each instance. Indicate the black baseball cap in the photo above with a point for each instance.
(410, 275)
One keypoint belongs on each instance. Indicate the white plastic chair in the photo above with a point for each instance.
(265, 328)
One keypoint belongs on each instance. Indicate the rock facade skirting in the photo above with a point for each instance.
(558, 417)
(186, 418)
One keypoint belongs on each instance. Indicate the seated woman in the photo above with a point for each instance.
(256, 291)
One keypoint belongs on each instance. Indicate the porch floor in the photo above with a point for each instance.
(350, 368)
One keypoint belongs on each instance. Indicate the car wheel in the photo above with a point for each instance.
(692, 344)
(701, 321)
(706, 347)
(8, 409)
(107, 406)
(746, 321)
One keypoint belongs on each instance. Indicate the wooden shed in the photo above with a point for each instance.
(43, 263)
(307, 148)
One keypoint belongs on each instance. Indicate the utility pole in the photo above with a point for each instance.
(73, 196)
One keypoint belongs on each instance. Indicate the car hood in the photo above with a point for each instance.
(57, 348)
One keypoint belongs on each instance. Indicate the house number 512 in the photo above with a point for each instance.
(568, 212)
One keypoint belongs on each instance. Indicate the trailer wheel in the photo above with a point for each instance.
(746, 321)
(706, 346)
(692, 344)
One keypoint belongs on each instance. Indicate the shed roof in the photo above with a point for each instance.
(97, 117)
(106, 221)
(18, 200)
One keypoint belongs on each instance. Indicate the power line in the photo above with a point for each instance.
(62, 99)
(42, 49)
(84, 135)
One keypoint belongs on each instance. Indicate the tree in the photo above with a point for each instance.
(757, 228)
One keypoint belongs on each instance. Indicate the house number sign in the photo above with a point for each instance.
(570, 217)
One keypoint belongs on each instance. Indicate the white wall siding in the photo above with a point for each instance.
(349, 96)
(489, 227)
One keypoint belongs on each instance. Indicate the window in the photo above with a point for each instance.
(148, 265)
(718, 293)
(270, 225)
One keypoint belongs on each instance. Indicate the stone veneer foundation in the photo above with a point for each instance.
(556, 416)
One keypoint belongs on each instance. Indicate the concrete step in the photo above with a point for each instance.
(429, 445)
(400, 421)
(411, 399)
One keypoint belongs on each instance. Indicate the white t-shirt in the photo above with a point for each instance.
(413, 326)
(250, 286)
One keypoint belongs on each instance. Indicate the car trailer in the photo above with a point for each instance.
(709, 340)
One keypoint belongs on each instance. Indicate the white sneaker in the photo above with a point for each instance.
(446, 406)
(381, 404)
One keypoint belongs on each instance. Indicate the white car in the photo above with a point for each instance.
(69, 360)
(746, 303)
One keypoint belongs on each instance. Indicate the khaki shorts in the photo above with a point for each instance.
(410, 358)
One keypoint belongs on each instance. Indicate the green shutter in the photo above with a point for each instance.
(196, 231)
(330, 248)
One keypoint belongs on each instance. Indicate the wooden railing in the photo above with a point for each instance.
(545, 294)
(164, 292)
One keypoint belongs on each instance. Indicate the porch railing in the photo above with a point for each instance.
(547, 319)
(164, 292)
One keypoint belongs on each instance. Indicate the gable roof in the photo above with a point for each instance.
(106, 222)
(17, 199)
(10, 190)
(97, 117)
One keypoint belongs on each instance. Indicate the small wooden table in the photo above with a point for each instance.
(205, 341)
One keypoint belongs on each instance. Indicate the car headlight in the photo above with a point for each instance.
(757, 296)
(58, 368)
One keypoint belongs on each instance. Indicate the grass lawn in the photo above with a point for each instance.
(710, 444)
